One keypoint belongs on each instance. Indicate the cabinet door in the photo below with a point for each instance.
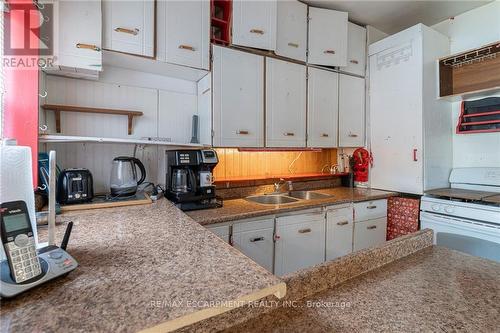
(221, 232)
(129, 26)
(291, 29)
(327, 37)
(285, 104)
(351, 111)
(79, 34)
(255, 240)
(187, 36)
(254, 23)
(356, 49)
(300, 242)
(339, 232)
(369, 233)
(322, 108)
(238, 98)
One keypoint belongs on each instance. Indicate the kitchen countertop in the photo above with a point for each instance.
(433, 290)
(236, 209)
(139, 267)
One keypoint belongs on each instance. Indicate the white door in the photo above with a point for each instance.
(204, 105)
(356, 49)
(221, 232)
(327, 37)
(322, 108)
(351, 111)
(129, 26)
(369, 233)
(339, 232)
(285, 104)
(254, 23)
(396, 118)
(255, 240)
(187, 33)
(238, 98)
(79, 30)
(300, 242)
(291, 40)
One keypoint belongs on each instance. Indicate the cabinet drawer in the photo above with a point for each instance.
(301, 218)
(367, 210)
(221, 232)
(253, 224)
(369, 233)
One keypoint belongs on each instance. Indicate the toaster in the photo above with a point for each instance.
(75, 186)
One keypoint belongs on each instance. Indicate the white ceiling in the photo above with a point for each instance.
(394, 16)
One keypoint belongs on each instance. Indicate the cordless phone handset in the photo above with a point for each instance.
(19, 242)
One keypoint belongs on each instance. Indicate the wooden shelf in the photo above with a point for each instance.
(57, 108)
(47, 138)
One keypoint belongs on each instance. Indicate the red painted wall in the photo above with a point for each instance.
(21, 85)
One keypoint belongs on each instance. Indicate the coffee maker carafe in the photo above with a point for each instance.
(189, 179)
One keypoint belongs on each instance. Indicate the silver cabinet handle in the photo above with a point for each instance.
(88, 46)
(128, 31)
(242, 132)
(187, 47)
(257, 31)
(256, 239)
(370, 227)
(329, 52)
(325, 135)
(352, 135)
(371, 207)
(354, 62)
(288, 134)
(293, 44)
(343, 223)
(304, 231)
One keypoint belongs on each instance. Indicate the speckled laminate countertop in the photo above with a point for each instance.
(236, 209)
(433, 290)
(140, 266)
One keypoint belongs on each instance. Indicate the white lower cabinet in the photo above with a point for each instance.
(300, 242)
(221, 231)
(255, 240)
(339, 232)
(369, 233)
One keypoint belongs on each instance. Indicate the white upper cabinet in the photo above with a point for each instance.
(78, 25)
(322, 108)
(327, 37)
(129, 26)
(356, 50)
(185, 33)
(292, 30)
(254, 23)
(351, 111)
(238, 98)
(285, 104)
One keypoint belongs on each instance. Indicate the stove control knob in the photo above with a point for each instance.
(435, 207)
(449, 209)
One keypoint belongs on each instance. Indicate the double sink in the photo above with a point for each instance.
(287, 197)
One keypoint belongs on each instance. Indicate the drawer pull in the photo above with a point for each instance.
(293, 45)
(288, 134)
(370, 227)
(304, 231)
(329, 52)
(256, 239)
(352, 135)
(242, 132)
(88, 46)
(257, 31)
(128, 31)
(354, 62)
(325, 135)
(186, 47)
(371, 207)
(343, 223)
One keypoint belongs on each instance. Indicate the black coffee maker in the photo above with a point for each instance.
(189, 179)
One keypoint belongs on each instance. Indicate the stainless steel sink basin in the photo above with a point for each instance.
(308, 195)
(272, 199)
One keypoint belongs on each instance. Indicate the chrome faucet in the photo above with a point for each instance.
(280, 183)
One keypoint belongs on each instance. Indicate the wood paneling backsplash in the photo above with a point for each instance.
(234, 164)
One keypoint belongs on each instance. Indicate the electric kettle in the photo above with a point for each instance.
(124, 181)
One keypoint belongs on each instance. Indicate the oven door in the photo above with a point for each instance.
(472, 237)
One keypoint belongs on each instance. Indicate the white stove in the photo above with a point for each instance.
(466, 216)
